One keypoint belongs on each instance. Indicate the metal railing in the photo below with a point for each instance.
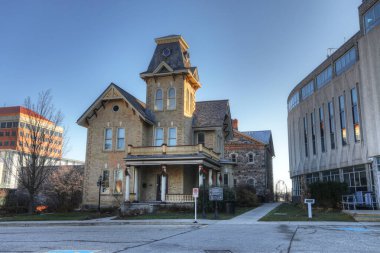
(178, 198)
(359, 200)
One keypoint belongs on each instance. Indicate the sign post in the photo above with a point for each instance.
(309, 202)
(216, 194)
(195, 195)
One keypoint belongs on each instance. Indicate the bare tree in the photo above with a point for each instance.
(66, 182)
(40, 144)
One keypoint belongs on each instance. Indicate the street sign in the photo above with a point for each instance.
(195, 192)
(311, 201)
(215, 194)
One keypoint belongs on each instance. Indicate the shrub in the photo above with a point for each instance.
(246, 196)
(327, 194)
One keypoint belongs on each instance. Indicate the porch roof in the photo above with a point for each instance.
(172, 159)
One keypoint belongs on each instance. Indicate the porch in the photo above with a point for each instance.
(168, 174)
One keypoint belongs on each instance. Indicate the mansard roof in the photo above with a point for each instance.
(113, 91)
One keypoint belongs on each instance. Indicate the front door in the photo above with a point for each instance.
(158, 191)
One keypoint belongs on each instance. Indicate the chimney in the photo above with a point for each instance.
(235, 124)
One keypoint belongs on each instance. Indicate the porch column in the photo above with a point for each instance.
(200, 176)
(210, 178)
(136, 184)
(218, 179)
(163, 188)
(127, 192)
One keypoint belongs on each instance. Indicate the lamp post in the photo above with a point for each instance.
(100, 183)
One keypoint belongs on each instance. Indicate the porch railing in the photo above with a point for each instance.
(172, 150)
(178, 198)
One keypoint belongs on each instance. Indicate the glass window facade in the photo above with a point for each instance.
(355, 114)
(331, 175)
(322, 128)
(294, 100)
(372, 17)
(312, 118)
(343, 124)
(356, 179)
(159, 136)
(307, 90)
(305, 136)
(324, 77)
(346, 61)
(312, 178)
(332, 124)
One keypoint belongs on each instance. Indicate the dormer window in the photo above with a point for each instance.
(171, 99)
(158, 104)
(201, 138)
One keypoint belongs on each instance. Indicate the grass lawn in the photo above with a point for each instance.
(290, 212)
(166, 214)
(53, 216)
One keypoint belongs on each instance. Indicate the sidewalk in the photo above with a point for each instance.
(252, 216)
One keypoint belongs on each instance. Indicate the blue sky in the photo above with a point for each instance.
(250, 52)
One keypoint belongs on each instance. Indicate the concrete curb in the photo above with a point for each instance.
(106, 223)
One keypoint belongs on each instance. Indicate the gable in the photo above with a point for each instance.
(113, 92)
(163, 67)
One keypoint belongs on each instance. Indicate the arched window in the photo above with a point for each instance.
(250, 158)
(171, 99)
(158, 106)
(233, 158)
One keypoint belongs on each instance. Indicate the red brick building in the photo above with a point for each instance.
(18, 126)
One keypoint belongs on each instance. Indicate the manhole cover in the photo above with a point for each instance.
(218, 251)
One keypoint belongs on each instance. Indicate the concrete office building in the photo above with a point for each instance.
(334, 114)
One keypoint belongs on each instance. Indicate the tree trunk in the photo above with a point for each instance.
(31, 204)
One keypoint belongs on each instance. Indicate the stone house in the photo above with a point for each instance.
(252, 153)
(161, 149)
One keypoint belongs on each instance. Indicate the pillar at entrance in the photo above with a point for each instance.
(210, 178)
(218, 179)
(136, 185)
(127, 193)
(163, 188)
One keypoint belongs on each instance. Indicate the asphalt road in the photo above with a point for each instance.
(216, 238)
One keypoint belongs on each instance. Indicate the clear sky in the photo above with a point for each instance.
(250, 52)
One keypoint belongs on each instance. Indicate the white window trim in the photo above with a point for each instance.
(104, 139)
(253, 157)
(236, 157)
(176, 136)
(107, 190)
(163, 136)
(168, 99)
(155, 100)
(117, 139)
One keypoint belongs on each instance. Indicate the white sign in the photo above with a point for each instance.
(195, 192)
(309, 202)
